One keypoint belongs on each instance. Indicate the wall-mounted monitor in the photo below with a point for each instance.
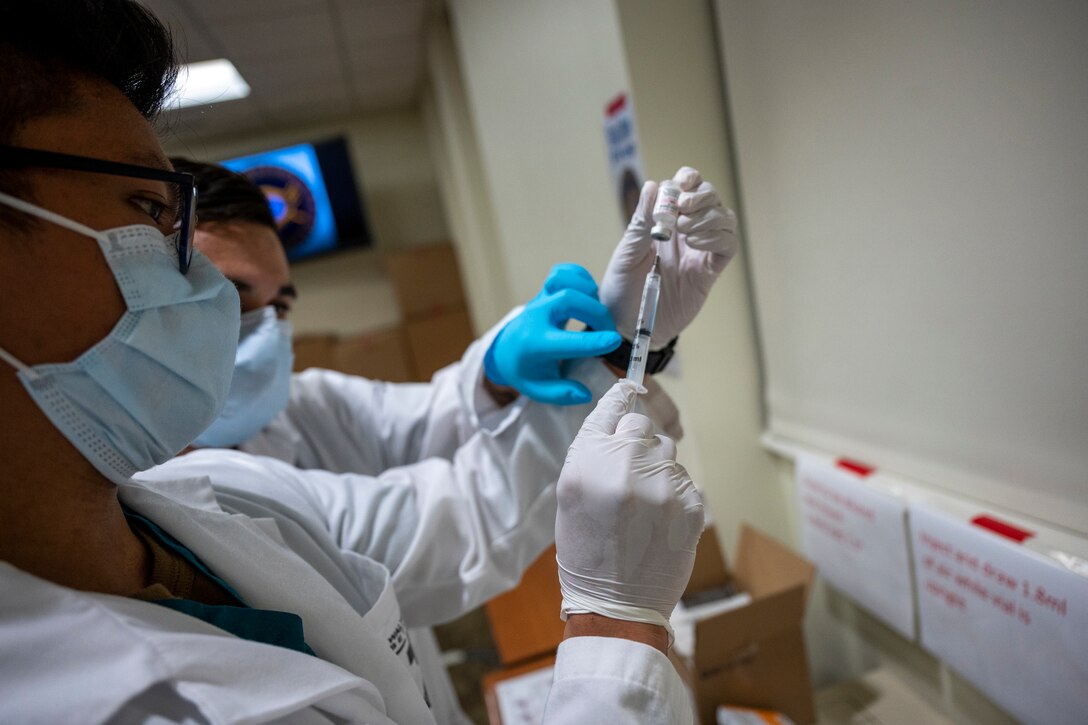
(312, 190)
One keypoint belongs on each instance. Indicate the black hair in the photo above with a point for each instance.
(225, 196)
(46, 46)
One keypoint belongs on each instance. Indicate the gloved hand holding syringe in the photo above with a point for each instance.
(679, 240)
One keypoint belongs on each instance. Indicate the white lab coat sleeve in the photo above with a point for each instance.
(346, 423)
(350, 424)
(453, 532)
(615, 681)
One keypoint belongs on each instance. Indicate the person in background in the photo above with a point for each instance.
(225, 587)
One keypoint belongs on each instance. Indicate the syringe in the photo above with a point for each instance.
(640, 347)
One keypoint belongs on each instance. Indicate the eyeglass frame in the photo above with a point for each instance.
(16, 156)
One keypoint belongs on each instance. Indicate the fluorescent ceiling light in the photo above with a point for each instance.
(209, 81)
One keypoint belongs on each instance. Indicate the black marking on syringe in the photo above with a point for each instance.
(642, 332)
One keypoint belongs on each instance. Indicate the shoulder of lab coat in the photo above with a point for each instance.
(349, 424)
(75, 657)
(610, 680)
(78, 657)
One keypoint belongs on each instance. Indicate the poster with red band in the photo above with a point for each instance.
(624, 158)
(856, 535)
(1011, 620)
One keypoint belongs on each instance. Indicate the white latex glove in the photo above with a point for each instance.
(629, 517)
(703, 243)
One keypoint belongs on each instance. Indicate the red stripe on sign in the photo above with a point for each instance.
(616, 104)
(1000, 527)
(855, 467)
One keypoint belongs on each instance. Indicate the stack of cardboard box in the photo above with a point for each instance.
(427, 282)
(752, 655)
(435, 331)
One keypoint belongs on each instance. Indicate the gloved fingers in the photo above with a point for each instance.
(719, 242)
(560, 391)
(565, 345)
(635, 245)
(612, 406)
(571, 304)
(643, 215)
(686, 528)
(635, 426)
(715, 219)
(688, 178)
(667, 447)
(570, 276)
(704, 197)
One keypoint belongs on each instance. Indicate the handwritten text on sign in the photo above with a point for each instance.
(856, 535)
(1009, 619)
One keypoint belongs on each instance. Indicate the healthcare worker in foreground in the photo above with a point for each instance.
(347, 423)
(247, 591)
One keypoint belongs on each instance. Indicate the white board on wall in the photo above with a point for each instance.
(914, 185)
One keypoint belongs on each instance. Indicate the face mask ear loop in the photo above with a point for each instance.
(50, 216)
(17, 364)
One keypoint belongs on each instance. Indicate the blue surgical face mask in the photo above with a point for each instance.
(261, 384)
(141, 394)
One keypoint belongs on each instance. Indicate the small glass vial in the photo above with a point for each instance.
(666, 209)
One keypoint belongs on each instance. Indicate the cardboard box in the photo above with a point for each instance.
(435, 342)
(426, 280)
(315, 351)
(381, 355)
(493, 681)
(525, 621)
(753, 656)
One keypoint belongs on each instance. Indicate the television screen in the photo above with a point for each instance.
(314, 198)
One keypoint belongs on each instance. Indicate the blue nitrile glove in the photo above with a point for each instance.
(526, 355)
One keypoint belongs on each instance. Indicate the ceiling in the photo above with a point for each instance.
(306, 61)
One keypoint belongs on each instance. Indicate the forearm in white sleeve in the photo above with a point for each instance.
(350, 424)
(615, 681)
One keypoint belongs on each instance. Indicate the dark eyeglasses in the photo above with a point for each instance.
(12, 156)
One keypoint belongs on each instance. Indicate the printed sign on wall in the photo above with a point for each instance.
(1009, 619)
(624, 158)
(857, 537)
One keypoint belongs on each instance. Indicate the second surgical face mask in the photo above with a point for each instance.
(161, 375)
(261, 384)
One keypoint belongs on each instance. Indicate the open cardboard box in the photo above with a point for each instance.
(752, 656)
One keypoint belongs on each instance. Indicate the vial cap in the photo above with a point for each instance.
(661, 233)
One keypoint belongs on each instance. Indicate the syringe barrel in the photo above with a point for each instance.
(636, 369)
(647, 313)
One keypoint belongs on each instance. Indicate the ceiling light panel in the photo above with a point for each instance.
(209, 81)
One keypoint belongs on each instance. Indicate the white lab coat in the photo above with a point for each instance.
(325, 548)
(349, 424)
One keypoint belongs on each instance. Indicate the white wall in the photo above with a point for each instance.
(681, 118)
(466, 193)
(348, 293)
(538, 77)
(916, 179)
